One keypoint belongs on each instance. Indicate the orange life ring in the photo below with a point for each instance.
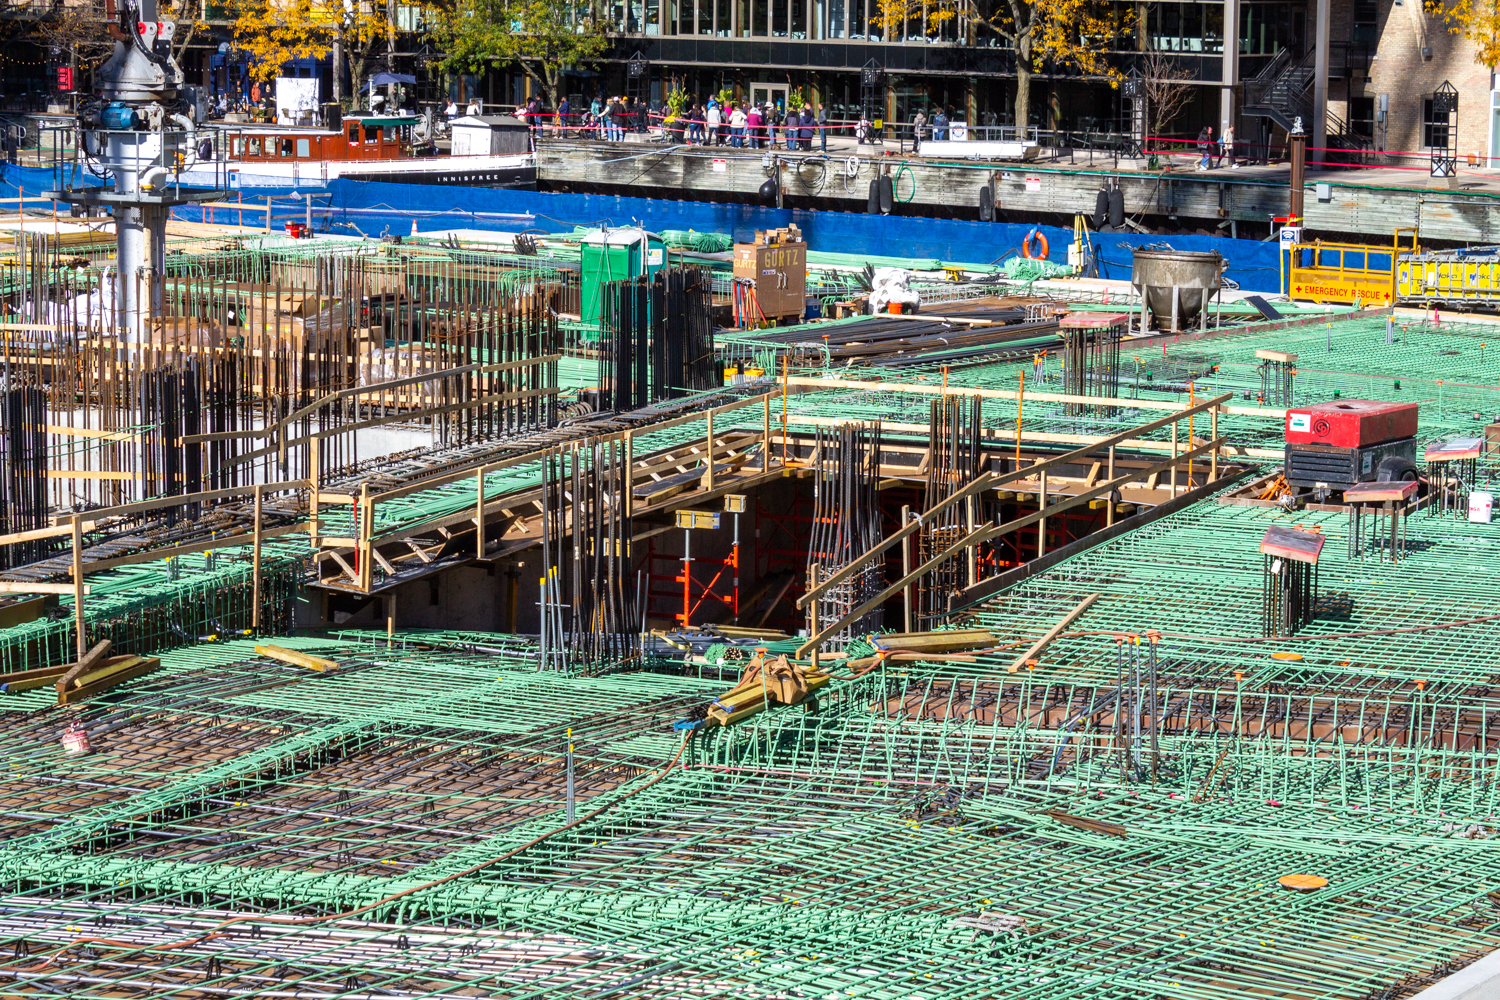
(1039, 236)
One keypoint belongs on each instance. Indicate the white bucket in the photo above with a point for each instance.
(1481, 506)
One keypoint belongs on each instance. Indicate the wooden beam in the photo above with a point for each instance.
(1269, 413)
(1052, 633)
(979, 485)
(21, 587)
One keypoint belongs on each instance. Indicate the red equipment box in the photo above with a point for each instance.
(1351, 423)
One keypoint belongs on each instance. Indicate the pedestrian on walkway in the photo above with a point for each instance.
(1206, 147)
(823, 127)
(736, 127)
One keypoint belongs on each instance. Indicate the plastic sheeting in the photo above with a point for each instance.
(371, 207)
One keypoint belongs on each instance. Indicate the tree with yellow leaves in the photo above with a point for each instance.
(363, 32)
(282, 31)
(542, 37)
(1476, 20)
(1075, 33)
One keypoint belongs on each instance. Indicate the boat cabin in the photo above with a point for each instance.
(375, 137)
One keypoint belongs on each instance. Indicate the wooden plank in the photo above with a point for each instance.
(1036, 648)
(296, 658)
(28, 680)
(22, 587)
(84, 664)
(75, 695)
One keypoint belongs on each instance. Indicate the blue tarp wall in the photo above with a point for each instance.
(370, 207)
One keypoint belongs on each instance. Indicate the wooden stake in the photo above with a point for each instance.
(906, 594)
(479, 513)
(708, 475)
(1109, 504)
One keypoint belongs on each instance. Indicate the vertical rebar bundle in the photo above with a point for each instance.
(846, 522)
(624, 337)
(23, 476)
(682, 356)
(1289, 595)
(1091, 365)
(551, 637)
(1276, 378)
(656, 338)
(243, 356)
(953, 460)
(602, 587)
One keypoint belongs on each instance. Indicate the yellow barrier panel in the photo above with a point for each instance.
(1341, 273)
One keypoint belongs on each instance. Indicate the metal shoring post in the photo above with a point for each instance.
(1119, 720)
(1155, 710)
(736, 564)
(1394, 513)
(906, 594)
(687, 575)
(1135, 707)
(1354, 549)
(390, 619)
(571, 801)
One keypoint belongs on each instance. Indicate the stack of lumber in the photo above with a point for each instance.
(92, 673)
(765, 682)
(945, 645)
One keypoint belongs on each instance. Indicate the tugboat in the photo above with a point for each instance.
(367, 147)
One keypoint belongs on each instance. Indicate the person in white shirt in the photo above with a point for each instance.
(737, 127)
(714, 118)
(451, 111)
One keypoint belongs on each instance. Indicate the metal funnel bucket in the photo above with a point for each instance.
(1176, 285)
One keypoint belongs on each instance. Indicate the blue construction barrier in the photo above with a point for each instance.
(372, 207)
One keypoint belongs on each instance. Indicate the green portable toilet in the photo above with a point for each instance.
(613, 255)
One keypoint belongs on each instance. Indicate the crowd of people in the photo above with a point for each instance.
(736, 123)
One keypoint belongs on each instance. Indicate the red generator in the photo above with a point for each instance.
(1331, 446)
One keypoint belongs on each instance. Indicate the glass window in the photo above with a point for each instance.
(354, 133)
(1267, 28)
(1362, 116)
(286, 146)
(304, 148)
(254, 147)
(836, 18)
(653, 17)
(1365, 13)
(760, 12)
(798, 22)
(236, 147)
